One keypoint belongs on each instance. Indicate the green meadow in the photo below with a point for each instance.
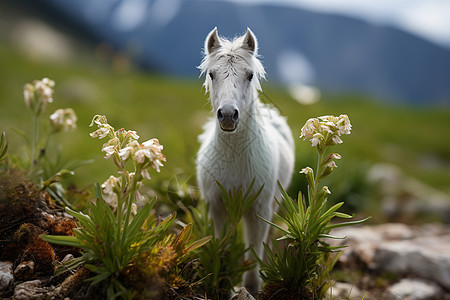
(414, 138)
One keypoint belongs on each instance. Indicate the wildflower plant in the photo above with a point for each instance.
(37, 160)
(42, 159)
(300, 261)
(112, 234)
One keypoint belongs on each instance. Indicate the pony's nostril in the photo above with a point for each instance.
(235, 115)
(220, 115)
(228, 117)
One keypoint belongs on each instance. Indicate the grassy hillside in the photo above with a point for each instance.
(173, 110)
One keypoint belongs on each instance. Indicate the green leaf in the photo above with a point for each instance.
(275, 225)
(138, 221)
(98, 190)
(63, 240)
(328, 236)
(78, 164)
(85, 220)
(197, 244)
(342, 215)
(22, 134)
(101, 271)
(344, 224)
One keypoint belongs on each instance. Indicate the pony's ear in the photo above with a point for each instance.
(250, 43)
(212, 42)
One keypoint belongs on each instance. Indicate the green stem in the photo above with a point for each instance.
(119, 212)
(317, 175)
(34, 142)
(130, 199)
(314, 200)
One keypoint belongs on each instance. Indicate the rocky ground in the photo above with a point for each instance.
(385, 261)
(394, 261)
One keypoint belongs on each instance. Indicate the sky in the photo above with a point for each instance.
(429, 19)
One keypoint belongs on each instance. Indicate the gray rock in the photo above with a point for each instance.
(344, 290)
(24, 271)
(425, 257)
(242, 294)
(6, 274)
(30, 290)
(67, 258)
(423, 252)
(404, 196)
(363, 241)
(413, 289)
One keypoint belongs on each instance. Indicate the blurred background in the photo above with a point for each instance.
(384, 63)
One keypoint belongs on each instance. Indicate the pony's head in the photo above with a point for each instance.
(232, 73)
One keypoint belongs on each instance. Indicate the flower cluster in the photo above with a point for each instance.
(147, 153)
(65, 119)
(323, 132)
(123, 146)
(38, 94)
(326, 130)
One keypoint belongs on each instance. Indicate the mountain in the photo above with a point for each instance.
(336, 53)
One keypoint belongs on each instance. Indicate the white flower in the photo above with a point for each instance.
(138, 196)
(309, 129)
(48, 82)
(145, 174)
(336, 139)
(328, 127)
(44, 88)
(99, 120)
(156, 163)
(141, 154)
(110, 187)
(326, 190)
(127, 135)
(331, 164)
(109, 150)
(132, 134)
(111, 184)
(335, 156)
(111, 200)
(38, 94)
(133, 209)
(343, 125)
(102, 132)
(150, 149)
(316, 139)
(129, 150)
(306, 170)
(63, 119)
(104, 128)
(28, 95)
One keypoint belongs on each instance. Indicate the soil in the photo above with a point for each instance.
(26, 213)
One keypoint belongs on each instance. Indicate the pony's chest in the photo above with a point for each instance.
(239, 160)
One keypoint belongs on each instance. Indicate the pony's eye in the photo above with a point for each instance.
(250, 76)
(211, 75)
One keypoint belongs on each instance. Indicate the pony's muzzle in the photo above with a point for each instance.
(228, 117)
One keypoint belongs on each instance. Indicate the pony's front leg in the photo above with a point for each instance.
(218, 214)
(256, 232)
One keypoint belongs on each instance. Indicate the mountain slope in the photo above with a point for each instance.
(341, 53)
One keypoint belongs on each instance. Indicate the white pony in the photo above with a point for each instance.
(246, 140)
